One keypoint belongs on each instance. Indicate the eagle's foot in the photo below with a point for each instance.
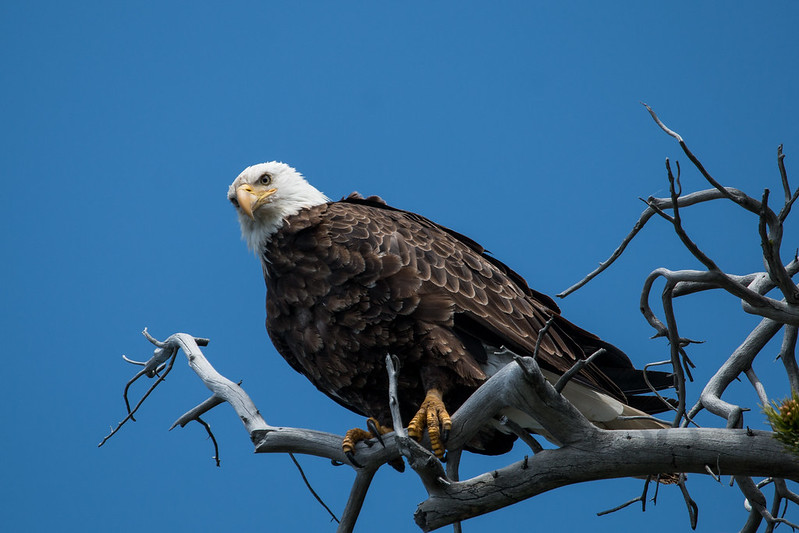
(356, 435)
(433, 415)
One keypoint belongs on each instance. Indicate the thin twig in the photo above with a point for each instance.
(712, 473)
(576, 367)
(662, 126)
(131, 361)
(750, 204)
(674, 345)
(789, 198)
(758, 385)
(641, 498)
(687, 364)
(541, 333)
(757, 502)
(134, 379)
(652, 388)
(788, 356)
(684, 288)
(620, 507)
(782, 487)
(770, 242)
(764, 482)
(310, 488)
(693, 509)
(207, 427)
(392, 367)
(522, 433)
(196, 412)
(654, 206)
(786, 209)
(698, 164)
(783, 175)
(689, 244)
(131, 412)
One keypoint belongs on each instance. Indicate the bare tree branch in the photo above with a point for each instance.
(522, 433)
(360, 487)
(576, 367)
(641, 498)
(693, 509)
(757, 384)
(654, 205)
(313, 492)
(692, 449)
(612, 453)
(584, 452)
(788, 356)
(677, 222)
(789, 198)
(748, 203)
(770, 240)
(738, 362)
(784, 176)
(207, 427)
(541, 333)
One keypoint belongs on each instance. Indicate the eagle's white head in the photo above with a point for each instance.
(264, 195)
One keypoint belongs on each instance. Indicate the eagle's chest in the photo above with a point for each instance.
(345, 319)
(340, 298)
(338, 333)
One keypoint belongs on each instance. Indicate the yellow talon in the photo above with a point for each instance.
(353, 437)
(356, 435)
(433, 415)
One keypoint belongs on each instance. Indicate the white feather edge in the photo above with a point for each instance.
(601, 409)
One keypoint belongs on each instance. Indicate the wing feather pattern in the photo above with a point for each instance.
(349, 281)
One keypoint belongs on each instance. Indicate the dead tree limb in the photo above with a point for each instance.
(584, 452)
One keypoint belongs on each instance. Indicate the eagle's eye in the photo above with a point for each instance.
(234, 201)
(265, 179)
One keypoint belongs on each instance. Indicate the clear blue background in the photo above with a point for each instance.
(516, 124)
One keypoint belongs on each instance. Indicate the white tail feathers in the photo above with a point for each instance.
(604, 411)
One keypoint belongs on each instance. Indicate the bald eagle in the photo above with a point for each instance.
(348, 282)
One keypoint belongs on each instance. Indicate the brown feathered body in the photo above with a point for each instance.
(349, 282)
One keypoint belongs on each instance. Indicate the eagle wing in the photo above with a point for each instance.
(488, 305)
(349, 281)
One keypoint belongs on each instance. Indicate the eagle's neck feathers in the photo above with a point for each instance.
(259, 232)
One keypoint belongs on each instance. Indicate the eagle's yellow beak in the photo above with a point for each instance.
(250, 199)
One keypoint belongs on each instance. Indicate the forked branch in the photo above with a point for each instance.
(611, 453)
(585, 452)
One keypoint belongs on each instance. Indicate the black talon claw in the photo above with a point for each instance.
(351, 456)
(445, 435)
(373, 428)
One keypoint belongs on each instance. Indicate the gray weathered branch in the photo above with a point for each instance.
(612, 454)
(585, 452)
(588, 453)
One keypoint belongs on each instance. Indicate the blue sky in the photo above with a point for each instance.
(516, 124)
